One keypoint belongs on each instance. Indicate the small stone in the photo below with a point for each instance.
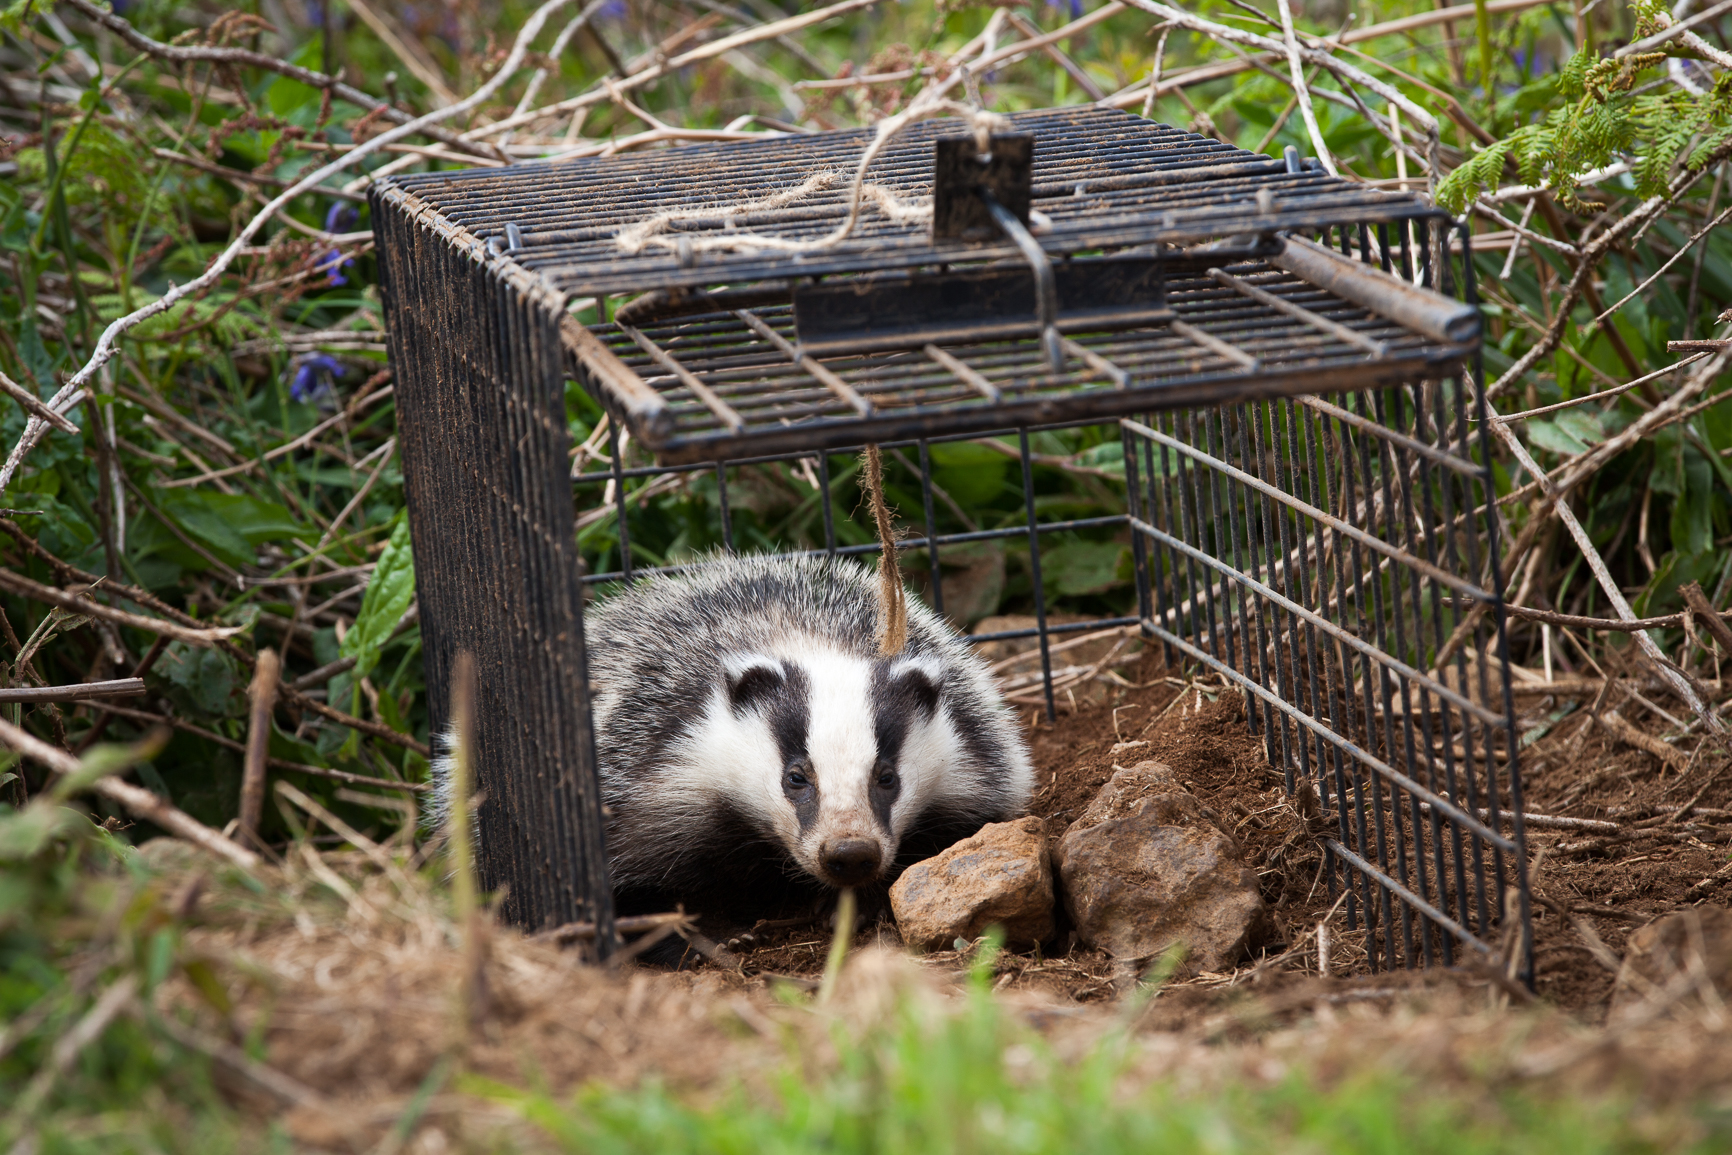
(1666, 952)
(1001, 876)
(1145, 867)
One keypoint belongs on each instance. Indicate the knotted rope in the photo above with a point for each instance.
(655, 231)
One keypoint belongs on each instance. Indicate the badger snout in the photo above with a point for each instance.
(851, 861)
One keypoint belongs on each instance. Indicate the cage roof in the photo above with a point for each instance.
(1105, 178)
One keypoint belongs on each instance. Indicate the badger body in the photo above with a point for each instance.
(752, 741)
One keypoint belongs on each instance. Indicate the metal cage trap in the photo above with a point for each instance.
(1283, 352)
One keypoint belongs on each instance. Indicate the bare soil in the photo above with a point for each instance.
(1656, 864)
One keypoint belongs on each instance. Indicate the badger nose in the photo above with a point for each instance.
(852, 861)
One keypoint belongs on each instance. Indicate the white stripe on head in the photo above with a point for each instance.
(841, 744)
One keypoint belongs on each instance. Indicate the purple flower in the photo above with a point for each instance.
(332, 265)
(612, 10)
(1076, 8)
(341, 217)
(315, 13)
(313, 376)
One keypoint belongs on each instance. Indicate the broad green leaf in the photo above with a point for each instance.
(208, 676)
(1583, 425)
(1085, 567)
(230, 525)
(1555, 437)
(1693, 510)
(388, 594)
(1108, 456)
(1667, 475)
(972, 474)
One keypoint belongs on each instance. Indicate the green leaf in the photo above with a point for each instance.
(1583, 425)
(1556, 436)
(1108, 456)
(229, 525)
(1085, 567)
(26, 833)
(1693, 510)
(100, 762)
(1667, 476)
(972, 474)
(388, 594)
(208, 676)
(13, 15)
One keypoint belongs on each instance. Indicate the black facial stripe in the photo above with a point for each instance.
(788, 713)
(753, 687)
(805, 802)
(884, 797)
(898, 702)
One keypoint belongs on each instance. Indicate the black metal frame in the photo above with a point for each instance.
(1325, 589)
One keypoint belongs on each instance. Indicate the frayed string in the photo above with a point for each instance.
(892, 597)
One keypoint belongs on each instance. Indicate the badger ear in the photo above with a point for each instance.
(914, 684)
(751, 679)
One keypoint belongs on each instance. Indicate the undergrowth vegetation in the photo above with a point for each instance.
(128, 1031)
(228, 483)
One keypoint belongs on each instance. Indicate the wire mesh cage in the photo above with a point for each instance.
(1286, 360)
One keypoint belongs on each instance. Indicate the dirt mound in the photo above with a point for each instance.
(1594, 889)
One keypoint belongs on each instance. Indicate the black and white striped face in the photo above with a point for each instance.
(832, 754)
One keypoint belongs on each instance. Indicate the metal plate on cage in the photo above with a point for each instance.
(908, 310)
(960, 173)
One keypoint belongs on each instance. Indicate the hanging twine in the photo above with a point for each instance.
(892, 598)
(655, 231)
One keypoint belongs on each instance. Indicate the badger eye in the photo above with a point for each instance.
(886, 776)
(797, 777)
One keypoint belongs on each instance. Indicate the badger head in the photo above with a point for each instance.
(833, 755)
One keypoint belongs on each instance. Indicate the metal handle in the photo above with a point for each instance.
(1431, 313)
(1045, 284)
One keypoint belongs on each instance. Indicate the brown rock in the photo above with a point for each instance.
(1145, 867)
(1661, 958)
(1000, 876)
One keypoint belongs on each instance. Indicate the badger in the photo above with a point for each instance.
(754, 746)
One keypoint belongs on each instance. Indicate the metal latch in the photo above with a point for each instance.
(976, 196)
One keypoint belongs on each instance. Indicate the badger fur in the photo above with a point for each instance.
(751, 738)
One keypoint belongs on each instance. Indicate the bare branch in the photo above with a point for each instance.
(1555, 492)
(34, 405)
(74, 693)
(1301, 90)
(18, 584)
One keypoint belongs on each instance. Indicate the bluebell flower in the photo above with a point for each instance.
(1076, 8)
(341, 217)
(314, 374)
(332, 265)
(612, 10)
